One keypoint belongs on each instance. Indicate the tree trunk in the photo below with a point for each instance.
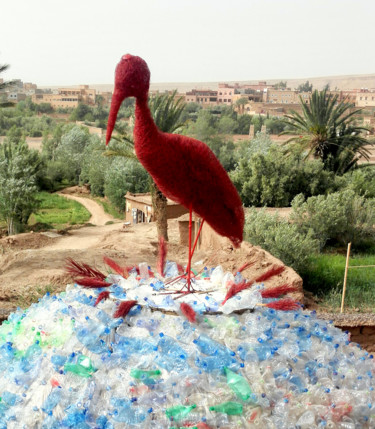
(159, 202)
(11, 226)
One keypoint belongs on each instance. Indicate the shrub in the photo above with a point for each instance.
(281, 238)
(340, 217)
(362, 181)
(269, 177)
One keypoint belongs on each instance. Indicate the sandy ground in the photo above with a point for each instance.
(34, 263)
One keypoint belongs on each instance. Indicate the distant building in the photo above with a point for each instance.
(68, 97)
(16, 96)
(225, 93)
(365, 98)
(138, 208)
(28, 86)
(206, 97)
(285, 96)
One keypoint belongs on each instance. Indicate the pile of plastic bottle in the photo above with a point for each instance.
(65, 363)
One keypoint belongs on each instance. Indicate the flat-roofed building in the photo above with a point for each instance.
(225, 94)
(206, 97)
(365, 98)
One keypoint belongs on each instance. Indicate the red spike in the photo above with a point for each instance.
(161, 256)
(81, 269)
(103, 295)
(235, 289)
(243, 267)
(286, 304)
(91, 282)
(274, 271)
(188, 312)
(180, 268)
(277, 291)
(124, 308)
(115, 267)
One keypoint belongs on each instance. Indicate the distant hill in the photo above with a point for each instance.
(340, 82)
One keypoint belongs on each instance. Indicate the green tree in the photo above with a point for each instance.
(227, 125)
(204, 127)
(80, 112)
(70, 151)
(123, 176)
(274, 125)
(224, 151)
(327, 129)
(244, 122)
(95, 167)
(241, 103)
(4, 85)
(18, 177)
(305, 87)
(258, 122)
(280, 85)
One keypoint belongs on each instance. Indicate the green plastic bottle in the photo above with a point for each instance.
(230, 408)
(238, 384)
(147, 377)
(178, 412)
(83, 367)
(139, 374)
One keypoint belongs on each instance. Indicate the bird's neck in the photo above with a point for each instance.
(144, 127)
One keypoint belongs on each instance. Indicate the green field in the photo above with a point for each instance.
(325, 278)
(56, 212)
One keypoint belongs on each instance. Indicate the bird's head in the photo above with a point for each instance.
(132, 79)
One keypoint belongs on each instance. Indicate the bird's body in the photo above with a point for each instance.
(183, 168)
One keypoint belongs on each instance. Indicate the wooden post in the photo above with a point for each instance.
(345, 277)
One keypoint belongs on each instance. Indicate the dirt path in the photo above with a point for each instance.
(83, 238)
(98, 215)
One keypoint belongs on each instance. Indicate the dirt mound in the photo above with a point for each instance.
(28, 240)
(76, 190)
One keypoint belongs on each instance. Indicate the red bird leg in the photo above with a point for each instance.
(196, 238)
(190, 254)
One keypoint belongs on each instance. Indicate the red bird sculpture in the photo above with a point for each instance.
(183, 168)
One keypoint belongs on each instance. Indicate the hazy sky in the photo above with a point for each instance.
(69, 42)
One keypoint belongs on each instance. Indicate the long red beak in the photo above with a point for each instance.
(117, 99)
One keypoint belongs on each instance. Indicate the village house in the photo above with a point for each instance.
(139, 209)
(67, 97)
(365, 98)
(225, 94)
(206, 97)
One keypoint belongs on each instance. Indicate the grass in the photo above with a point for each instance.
(109, 208)
(56, 211)
(325, 277)
(26, 299)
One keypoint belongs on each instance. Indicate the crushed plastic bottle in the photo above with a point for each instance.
(238, 384)
(170, 269)
(66, 363)
(230, 408)
(143, 271)
(179, 412)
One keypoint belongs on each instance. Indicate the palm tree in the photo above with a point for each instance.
(328, 130)
(166, 109)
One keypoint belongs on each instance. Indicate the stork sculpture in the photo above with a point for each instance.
(183, 168)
